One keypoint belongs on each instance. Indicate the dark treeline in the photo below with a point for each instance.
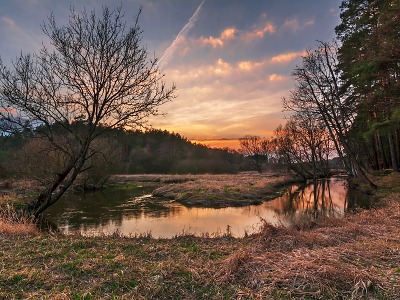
(26, 154)
(159, 151)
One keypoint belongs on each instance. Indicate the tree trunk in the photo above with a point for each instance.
(393, 156)
(44, 202)
(44, 197)
(62, 181)
(375, 154)
(382, 151)
(358, 170)
(397, 144)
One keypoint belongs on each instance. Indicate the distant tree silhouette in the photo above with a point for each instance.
(257, 149)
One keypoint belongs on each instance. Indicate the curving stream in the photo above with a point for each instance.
(135, 212)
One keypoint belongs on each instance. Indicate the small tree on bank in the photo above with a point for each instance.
(98, 76)
(257, 149)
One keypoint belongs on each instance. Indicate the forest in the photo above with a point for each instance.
(122, 152)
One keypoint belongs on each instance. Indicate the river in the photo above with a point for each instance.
(136, 212)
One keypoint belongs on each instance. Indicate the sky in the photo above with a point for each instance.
(231, 60)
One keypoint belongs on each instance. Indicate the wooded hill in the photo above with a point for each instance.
(123, 152)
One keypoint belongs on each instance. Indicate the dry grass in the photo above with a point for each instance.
(354, 258)
(225, 190)
(14, 222)
(20, 187)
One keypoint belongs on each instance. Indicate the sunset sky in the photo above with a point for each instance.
(231, 61)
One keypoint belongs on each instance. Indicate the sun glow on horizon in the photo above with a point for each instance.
(218, 143)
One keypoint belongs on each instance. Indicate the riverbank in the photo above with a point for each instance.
(213, 191)
(356, 257)
(202, 190)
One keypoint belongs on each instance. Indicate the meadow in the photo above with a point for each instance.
(352, 258)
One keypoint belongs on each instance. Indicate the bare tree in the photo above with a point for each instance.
(257, 149)
(96, 77)
(304, 145)
(320, 91)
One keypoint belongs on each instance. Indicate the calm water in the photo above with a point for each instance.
(136, 212)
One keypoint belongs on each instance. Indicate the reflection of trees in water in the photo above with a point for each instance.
(91, 210)
(110, 209)
(357, 199)
(312, 200)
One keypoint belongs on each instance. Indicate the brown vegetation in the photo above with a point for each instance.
(357, 257)
(352, 258)
(225, 190)
(14, 222)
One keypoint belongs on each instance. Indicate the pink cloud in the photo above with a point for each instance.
(295, 25)
(259, 32)
(287, 57)
(248, 65)
(275, 77)
(232, 33)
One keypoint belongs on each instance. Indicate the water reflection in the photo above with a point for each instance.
(318, 198)
(136, 212)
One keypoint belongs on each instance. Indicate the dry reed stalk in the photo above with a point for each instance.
(354, 258)
(232, 264)
(13, 222)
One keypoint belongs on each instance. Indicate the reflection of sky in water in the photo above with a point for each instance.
(134, 212)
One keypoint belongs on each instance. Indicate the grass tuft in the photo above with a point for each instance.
(16, 221)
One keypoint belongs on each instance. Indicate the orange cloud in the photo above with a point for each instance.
(232, 33)
(268, 28)
(287, 57)
(275, 77)
(248, 65)
(227, 34)
(214, 42)
(221, 67)
(218, 143)
(258, 33)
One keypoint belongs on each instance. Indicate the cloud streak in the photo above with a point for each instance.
(171, 49)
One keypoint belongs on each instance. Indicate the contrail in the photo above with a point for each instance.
(170, 50)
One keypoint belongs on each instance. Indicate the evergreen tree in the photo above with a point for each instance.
(369, 59)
